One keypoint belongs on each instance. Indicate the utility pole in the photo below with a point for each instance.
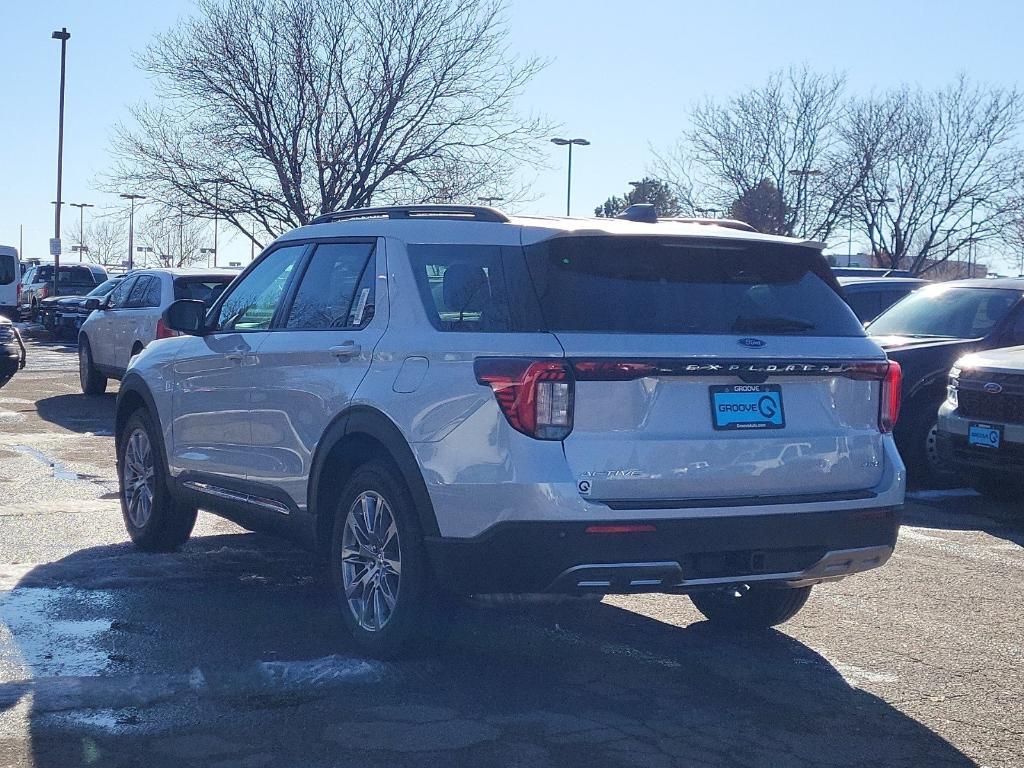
(63, 35)
(131, 227)
(216, 208)
(81, 225)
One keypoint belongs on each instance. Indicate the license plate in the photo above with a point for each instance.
(985, 435)
(747, 406)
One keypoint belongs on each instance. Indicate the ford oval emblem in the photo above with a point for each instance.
(993, 388)
(752, 343)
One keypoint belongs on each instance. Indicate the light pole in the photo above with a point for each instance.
(708, 212)
(144, 249)
(490, 200)
(63, 35)
(216, 181)
(81, 224)
(803, 174)
(569, 143)
(131, 226)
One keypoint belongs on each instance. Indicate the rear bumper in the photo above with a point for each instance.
(678, 555)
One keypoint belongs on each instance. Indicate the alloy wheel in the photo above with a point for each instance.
(371, 561)
(139, 478)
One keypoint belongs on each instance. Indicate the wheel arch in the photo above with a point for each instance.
(356, 436)
(132, 395)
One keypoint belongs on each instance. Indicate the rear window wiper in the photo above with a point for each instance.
(771, 323)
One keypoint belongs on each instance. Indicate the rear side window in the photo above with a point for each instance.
(653, 285)
(947, 311)
(8, 269)
(474, 287)
(336, 290)
(204, 289)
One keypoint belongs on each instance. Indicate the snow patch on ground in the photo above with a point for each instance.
(34, 638)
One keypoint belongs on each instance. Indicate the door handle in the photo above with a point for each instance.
(345, 350)
(234, 357)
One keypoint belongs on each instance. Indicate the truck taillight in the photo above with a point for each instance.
(536, 396)
(163, 332)
(889, 402)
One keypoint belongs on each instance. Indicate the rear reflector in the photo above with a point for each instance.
(638, 528)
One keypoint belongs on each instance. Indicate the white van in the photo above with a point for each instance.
(10, 281)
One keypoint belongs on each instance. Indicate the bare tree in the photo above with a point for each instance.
(307, 106)
(176, 239)
(940, 170)
(785, 131)
(106, 239)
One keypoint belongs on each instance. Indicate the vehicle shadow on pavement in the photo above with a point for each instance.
(230, 652)
(1004, 520)
(79, 413)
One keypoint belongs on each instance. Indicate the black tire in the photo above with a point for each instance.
(413, 621)
(751, 607)
(93, 382)
(927, 466)
(168, 523)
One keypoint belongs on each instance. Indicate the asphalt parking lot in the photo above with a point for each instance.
(229, 652)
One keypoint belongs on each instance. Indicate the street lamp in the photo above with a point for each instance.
(569, 143)
(63, 35)
(804, 173)
(710, 212)
(490, 200)
(216, 181)
(143, 249)
(81, 225)
(131, 226)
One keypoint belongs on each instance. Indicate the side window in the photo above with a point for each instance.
(336, 290)
(153, 293)
(462, 286)
(29, 276)
(119, 295)
(251, 304)
(7, 269)
(137, 297)
(1017, 328)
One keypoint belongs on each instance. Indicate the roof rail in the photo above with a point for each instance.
(457, 212)
(727, 223)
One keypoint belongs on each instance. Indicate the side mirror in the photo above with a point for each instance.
(186, 316)
(93, 303)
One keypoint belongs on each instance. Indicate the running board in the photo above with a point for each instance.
(238, 496)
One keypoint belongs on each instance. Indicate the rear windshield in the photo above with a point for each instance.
(68, 275)
(204, 289)
(8, 269)
(654, 285)
(946, 312)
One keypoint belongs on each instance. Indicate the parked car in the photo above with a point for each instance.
(926, 333)
(981, 423)
(869, 272)
(10, 282)
(445, 399)
(73, 280)
(871, 296)
(12, 351)
(64, 315)
(120, 326)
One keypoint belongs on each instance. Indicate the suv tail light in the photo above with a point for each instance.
(889, 403)
(536, 396)
(163, 332)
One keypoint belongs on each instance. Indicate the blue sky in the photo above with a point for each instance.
(621, 74)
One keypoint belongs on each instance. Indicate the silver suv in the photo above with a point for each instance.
(444, 399)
